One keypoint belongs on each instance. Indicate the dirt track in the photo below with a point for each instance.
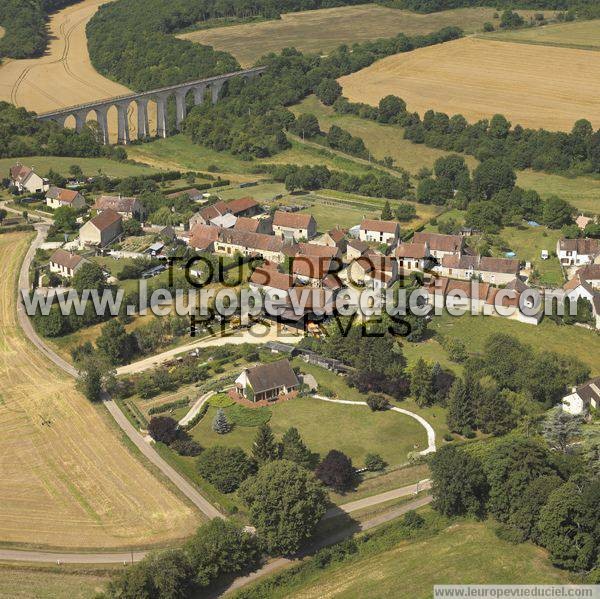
(64, 76)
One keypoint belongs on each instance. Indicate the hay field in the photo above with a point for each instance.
(535, 86)
(67, 479)
(323, 30)
(64, 76)
(579, 34)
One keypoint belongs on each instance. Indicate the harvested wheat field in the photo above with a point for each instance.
(536, 86)
(578, 34)
(323, 30)
(64, 76)
(67, 479)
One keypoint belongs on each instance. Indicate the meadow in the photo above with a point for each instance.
(388, 140)
(89, 166)
(479, 77)
(578, 34)
(320, 31)
(463, 552)
(68, 481)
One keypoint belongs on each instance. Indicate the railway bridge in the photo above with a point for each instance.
(160, 96)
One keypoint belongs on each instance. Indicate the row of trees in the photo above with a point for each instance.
(489, 195)
(375, 183)
(577, 151)
(547, 496)
(251, 119)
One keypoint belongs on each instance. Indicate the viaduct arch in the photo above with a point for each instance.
(160, 96)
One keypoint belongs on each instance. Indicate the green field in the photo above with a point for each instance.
(464, 552)
(90, 166)
(578, 34)
(568, 340)
(178, 152)
(387, 140)
(528, 242)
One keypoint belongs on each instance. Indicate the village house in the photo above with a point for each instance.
(294, 226)
(268, 279)
(25, 179)
(202, 238)
(411, 256)
(586, 284)
(127, 207)
(317, 250)
(379, 231)
(58, 197)
(336, 238)
(267, 381)
(311, 270)
(101, 230)
(246, 243)
(577, 252)
(64, 263)
(582, 398)
(498, 271)
(355, 249)
(373, 270)
(239, 207)
(254, 225)
(194, 194)
(440, 245)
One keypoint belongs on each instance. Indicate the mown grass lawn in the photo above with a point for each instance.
(528, 242)
(464, 552)
(355, 430)
(570, 340)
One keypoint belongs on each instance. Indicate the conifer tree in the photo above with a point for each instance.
(220, 424)
(265, 447)
(386, 213)
(294, 449)
(421, 383)
(461, 412)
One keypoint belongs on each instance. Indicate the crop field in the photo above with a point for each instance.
(23, 582)
(64, 76)
(320, 31)
(465, 552)
(387, 140)
(478, 78)
(579, 34)
(68, 481)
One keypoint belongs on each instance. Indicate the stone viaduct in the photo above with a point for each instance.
(159, 96)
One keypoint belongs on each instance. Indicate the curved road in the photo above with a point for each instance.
(182, 484)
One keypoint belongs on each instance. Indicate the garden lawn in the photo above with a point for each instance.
(577, 342)
(355, 430)
(528, 242)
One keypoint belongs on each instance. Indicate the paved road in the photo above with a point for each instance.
(257, 334)
(146, 449)
(366, 502)
(336, 537)
(420, 419)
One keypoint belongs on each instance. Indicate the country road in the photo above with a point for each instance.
(179, 481)
(146, 449)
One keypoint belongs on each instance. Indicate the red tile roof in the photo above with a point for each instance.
(240, 205)
(64, 195)
(105, 219)
(202, 236)
(244, 223)
(439, 242)
(268, 277)
(292, 220)
(116, 203)
(66, 259)
(382, 226)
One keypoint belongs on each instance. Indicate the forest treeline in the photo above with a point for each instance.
(25, 26)
(132, 41)
(582, 8)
